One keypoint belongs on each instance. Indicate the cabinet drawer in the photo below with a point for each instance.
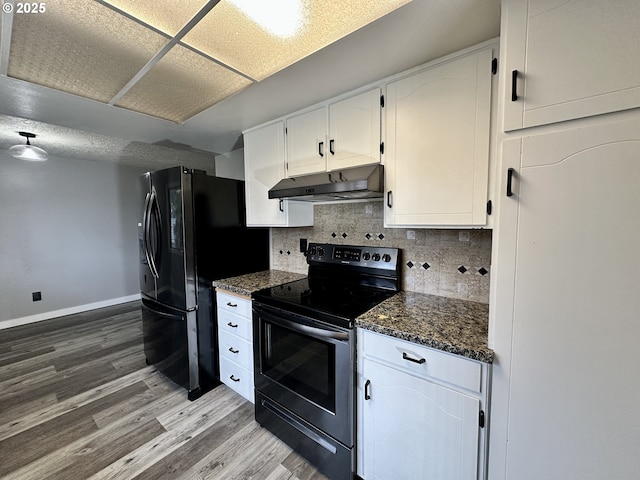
(235, 324)
(234, 304)
(422, 361)
(237, 378)
(236, 349)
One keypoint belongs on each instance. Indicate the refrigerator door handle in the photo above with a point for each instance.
(145, 230)
(153, 253)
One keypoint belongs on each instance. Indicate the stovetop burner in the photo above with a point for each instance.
(343, 283)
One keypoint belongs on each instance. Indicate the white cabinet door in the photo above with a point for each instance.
(568, 304)
(437, 144)
(263, 168)
(415, 429)
(354, 131)
(564, 60)
(344, 134)
(307, 143)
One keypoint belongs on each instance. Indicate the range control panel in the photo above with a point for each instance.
(362, 256)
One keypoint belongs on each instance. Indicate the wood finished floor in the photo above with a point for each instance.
(77, 401)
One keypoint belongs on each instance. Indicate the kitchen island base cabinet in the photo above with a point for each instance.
(415, 419)
(235, 343)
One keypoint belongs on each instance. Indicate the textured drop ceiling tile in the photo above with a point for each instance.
(230, 36)
(80, 47)
(168, 16)
(182, 84)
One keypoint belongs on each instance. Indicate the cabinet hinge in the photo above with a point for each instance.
(382, 101)
(481, 419)
(494, 66)
(381, 148)
(489, 207)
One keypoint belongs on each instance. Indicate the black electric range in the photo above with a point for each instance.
(304, 341)
(343, 282)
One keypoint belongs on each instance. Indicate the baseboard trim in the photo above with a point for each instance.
(14, 322)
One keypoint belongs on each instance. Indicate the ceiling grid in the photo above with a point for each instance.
(171, 59)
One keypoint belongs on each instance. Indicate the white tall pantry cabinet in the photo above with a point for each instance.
(565, 307)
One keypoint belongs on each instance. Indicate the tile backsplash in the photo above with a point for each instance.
(446, 262)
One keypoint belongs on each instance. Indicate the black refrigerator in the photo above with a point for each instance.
(192, 230)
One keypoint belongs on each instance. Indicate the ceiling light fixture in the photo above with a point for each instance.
(282, 18)
(28, 151)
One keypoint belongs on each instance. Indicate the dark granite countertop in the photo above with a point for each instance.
(454, 326)
(252, 282)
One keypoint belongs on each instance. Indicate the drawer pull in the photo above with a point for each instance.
(407, 357)
(367, 386)
(233, 305)
(233, 325)
(234, 378)
(232, 350)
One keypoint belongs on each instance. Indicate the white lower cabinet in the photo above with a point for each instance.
(235, 342)
(420, 412)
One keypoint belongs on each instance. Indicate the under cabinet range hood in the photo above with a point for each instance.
(346, 184)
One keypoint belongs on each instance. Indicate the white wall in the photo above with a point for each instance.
(230, 165)
(68, 228)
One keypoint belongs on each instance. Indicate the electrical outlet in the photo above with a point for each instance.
(463, 236)
(411, 235)
(36, 296)
(303, 245)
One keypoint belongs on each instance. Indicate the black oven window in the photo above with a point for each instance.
(301, 363)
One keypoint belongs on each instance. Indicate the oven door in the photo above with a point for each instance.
(306, 367)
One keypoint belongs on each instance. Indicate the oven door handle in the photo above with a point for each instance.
(314, 331)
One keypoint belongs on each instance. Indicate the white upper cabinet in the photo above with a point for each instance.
(264, 167)
(564, 60)
(338, 135)
(354, 131)
(306, 142)
(437, 144)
